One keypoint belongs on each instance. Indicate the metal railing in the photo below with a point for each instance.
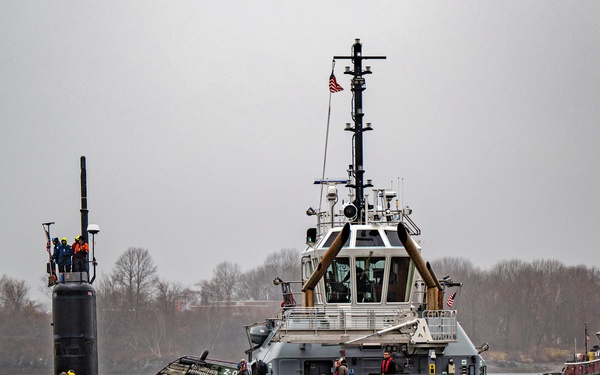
(336, 318)
(442, 324)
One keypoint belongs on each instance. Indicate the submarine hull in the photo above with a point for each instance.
(75, 328)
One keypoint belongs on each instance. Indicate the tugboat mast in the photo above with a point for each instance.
(358, 86)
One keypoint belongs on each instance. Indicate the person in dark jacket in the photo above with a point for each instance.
(62, 255)
(55, 252)
(388, 365)
(341, 367)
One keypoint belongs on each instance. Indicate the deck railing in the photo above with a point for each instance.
(323, 318)
(442, 324)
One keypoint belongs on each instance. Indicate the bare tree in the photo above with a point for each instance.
(109, 293)
(154, 334)
(257, 283)
(23, 326)
(508, 297)
(546, 302)
(13, 294)
(284, 264)
(110, 315)
(135, 277)
(221, 287)
(225, 277)
(207, 292)
(171, 297)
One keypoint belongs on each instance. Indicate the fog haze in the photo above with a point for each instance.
(203, 124)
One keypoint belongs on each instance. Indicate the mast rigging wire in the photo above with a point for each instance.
(326, 142)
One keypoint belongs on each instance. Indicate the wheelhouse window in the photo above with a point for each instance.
(307, 267)
(398, 286)
(392, 236)
(332, 237)
(369, 278)
(337, 283)
(369, 238)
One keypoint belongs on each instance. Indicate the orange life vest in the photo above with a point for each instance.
(77, 248)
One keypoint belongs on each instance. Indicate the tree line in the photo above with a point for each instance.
(525, 311)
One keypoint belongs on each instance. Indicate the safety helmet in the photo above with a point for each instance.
(55, 239)
(64, 239)
(77, 238)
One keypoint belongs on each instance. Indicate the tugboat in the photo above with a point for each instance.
(365, 288)
(587, 363)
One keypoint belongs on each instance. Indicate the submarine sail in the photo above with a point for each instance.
(74, 317)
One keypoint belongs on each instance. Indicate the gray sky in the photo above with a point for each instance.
(203, 124)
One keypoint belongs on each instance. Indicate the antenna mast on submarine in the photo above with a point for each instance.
(84, 210)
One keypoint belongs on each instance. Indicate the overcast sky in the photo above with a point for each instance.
(203, 124)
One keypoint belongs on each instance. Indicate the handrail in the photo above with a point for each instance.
(441, 324)
(340, 318)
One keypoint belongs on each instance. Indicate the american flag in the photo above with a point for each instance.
(333, 85)
(450, 301)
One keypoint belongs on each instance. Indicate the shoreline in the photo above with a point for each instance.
(512, 367)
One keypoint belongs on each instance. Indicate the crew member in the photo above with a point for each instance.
(341, 367)
(54, 257)
(80, 253)
(388, 365)
(242, 368)
(62, 254)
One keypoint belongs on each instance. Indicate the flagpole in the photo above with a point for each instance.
(586, 340)
(325, 152)
(331, 91)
